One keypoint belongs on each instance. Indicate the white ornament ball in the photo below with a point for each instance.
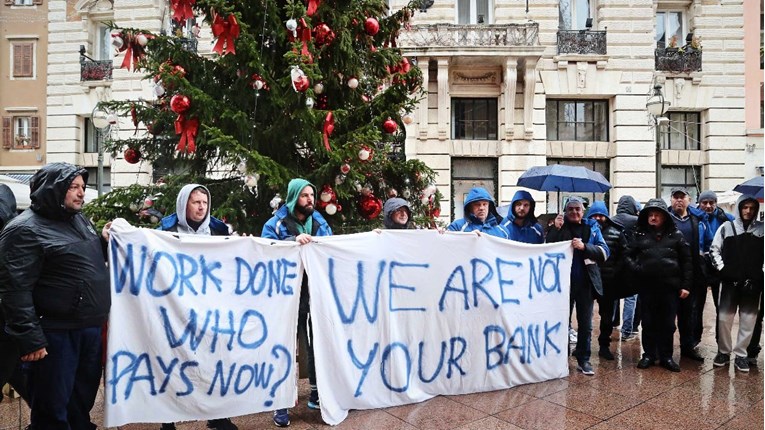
(353, 83)
(275, 202)
(424, 200)
(364, 155)
(339, 179)
(407, 193)
(251, 182)
(141, 40)
(309, 102)
(134, 207)
(318, 88)
(325, 197)
(258, 84)
(357, 186)
(331, 209)
(117, 42)
(407, 119)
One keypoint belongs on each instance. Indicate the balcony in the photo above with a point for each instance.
(95, 70)
(466, 39)
(187, 43)
(582, 42)
(678, 60)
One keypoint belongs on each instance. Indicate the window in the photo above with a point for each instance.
(683, 132)
(669, 29)
(555, 200)
(91, 137)
(474, 119)
(21, 132)
(104, 43)
(473, 12)
(573, 14)
(93, 178)
(23, 2)
(468, 173)
(23, 59)
(578, 120)
(680, 176)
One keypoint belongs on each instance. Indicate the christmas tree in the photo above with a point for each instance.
(315, 89)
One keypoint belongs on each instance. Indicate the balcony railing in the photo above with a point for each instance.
(678, 60)
(467, 36)
(188, 43)
(584, 42)
(92, 70)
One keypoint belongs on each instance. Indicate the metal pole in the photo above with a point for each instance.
(658, 157)
(100, 171)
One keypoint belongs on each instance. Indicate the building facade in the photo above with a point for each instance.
(23, 75)
(513, 85)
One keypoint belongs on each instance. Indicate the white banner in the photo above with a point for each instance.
(200, 327)
(402, 316)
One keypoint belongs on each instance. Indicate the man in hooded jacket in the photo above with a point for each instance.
(297, 220)
(627, 215)
(521, 223)
(480, 215)
(55, 295)
(397, 215)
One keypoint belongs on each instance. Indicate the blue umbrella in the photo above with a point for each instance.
(559, 177)
(752, 187)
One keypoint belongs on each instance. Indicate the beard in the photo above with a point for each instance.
(304, 210)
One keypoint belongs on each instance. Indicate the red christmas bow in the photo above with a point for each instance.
(187, 128)
(328, 128)
(226, 30)
(182, 9)
(312, 6)
(133, 51)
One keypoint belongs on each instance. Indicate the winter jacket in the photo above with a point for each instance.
(490, 226)
(659, 258)
(391, 205)
(177, 222)
(612, 235)
(712, 223)
(530, 231)
(7, 205)
(595, 250)
(696, 245)
(737, 252)
(52, 267)
(626, 212)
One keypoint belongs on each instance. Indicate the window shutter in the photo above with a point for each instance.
(17, 60)
(22, 60)
(34, 131)
(7, 131)
(27, 60)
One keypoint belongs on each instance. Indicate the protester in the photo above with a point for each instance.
(589, 250)
(397, 215)
(480, 215)
(688, 311)
(521, 223)
(55, 295)
(10, 364)
(659, 257)
(626, 215)
(608, 302)
(192, 216)
(737, 252)
(298, 221)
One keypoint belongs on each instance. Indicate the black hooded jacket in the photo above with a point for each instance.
(660, 259)
(52, 269)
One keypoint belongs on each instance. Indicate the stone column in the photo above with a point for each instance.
(511, 79)
(422, 108)
(444, 101)
(529, 84)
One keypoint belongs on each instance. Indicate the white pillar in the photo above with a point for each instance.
(511, 79)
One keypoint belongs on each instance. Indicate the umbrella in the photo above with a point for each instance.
(752, 187)
(559, 177)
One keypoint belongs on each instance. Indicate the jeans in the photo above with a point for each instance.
(64, 384)
(581, 296)
(628, 316)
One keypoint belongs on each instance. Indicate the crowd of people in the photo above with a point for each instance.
(662, 260)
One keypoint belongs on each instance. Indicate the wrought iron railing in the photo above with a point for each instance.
(582, 42)
(95, 70)
(188, 43)
(678, 60)
(465, 36)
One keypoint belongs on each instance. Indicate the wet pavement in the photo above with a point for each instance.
(619, 396)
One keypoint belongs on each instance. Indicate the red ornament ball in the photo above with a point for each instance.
(132, 156)
(370, 207)
(390, 126)
(322, 34)
(302, 83)
(345, 168)
(179, 71)
(180, 103)
(371, 26)
(404, 66)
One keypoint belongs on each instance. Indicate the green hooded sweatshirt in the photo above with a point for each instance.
(293, 192)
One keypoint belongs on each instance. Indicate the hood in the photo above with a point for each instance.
(48, 188)
(293, 192)
(627, 205)
(476, 194)
(598, 207)
(523, 195)
(660, 204)
(740, 201)
(7, 205)
(180, 210)
(391, 205)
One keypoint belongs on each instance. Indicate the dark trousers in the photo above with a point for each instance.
(11, 368)
(305, 332)
(686, 311)
(581, 297)
(754, 348)
(658, 307)
(697, 317)
(64, 384)
(606, 307)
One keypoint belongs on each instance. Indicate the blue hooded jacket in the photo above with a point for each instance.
(711, 222)
(530, 231)
(282, 226)
(471, 223)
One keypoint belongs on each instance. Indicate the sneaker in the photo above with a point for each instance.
(741, 364)
(629, 337)
(313, 400)
(572, 336)
(585, 367)
(221, 424)
(721, 359)
(282, 418)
